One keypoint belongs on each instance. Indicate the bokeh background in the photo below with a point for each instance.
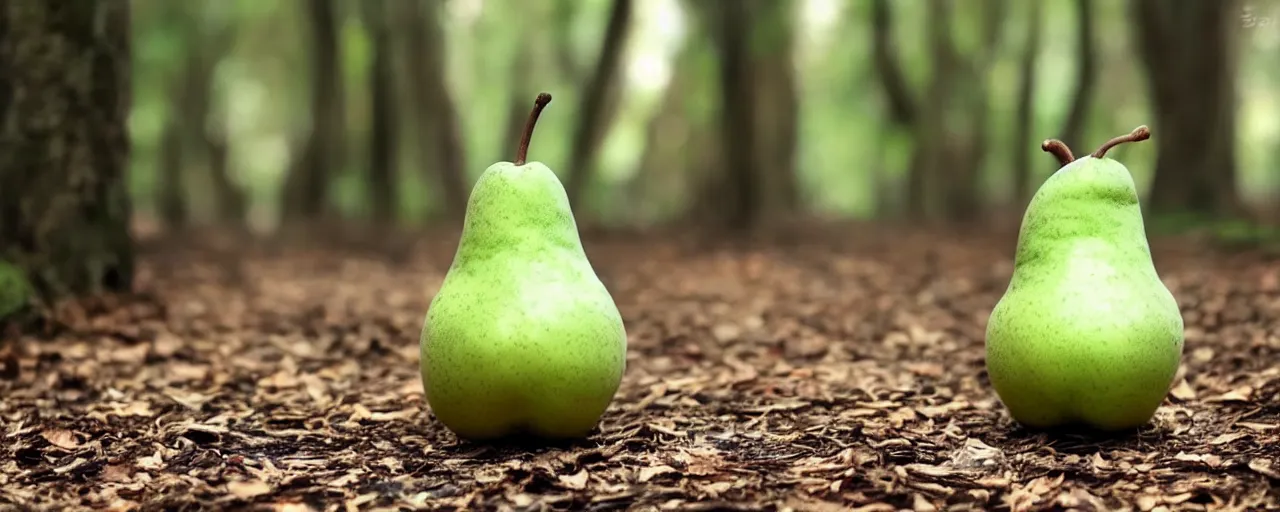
(258, 111)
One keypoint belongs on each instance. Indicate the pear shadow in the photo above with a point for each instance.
(1080, 439)
(517, 444)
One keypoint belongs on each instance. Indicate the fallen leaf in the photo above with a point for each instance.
(1183, 391)
(576, 481)
(61, 438)
(245, 489)
(648, 473)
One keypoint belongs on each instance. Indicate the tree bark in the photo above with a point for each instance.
(1189, 52)
(434, 106)
(777, 106)
(307, 187)
(171, 185)
(902, 103)
(194, 105)
(738, 184)
(1086, 77)
(592, 120)
(64, 102)
(382, 135)
(1024, 147)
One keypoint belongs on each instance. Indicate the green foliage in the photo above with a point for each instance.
(15, 289)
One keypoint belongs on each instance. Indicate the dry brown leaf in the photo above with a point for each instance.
(1228, 437)
(648, 473)
(1183, 391)
(61, 438)
(246, 489)
(576, 481)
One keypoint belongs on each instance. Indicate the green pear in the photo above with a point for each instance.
(522, 338)
(1086, 333)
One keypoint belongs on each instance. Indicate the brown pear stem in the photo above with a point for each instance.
(522, 152)
(1140, 133)
(1058, 149)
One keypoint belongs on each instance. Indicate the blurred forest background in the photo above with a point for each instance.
(257, 112)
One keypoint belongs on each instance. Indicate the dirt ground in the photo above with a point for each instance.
(840, 371)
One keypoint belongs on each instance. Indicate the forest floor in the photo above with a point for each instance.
(823, 372)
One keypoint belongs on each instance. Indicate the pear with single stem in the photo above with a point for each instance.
(522, 338)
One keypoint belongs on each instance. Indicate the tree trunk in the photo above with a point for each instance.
(738, 183)
(592, 120)
(777, 106)
(1189, 52)
(966, 151)
(903, 107)
(1086, 77)
(902, 103)
(434, 106)
(1024, 146)
(382, 135)
(307, 187)
(171, 187)
(194, 102)
(926, 189)
(64, 102)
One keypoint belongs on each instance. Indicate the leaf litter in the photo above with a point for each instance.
(824, 371)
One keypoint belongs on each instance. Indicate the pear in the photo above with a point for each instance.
(522, 339)
(1086, 333)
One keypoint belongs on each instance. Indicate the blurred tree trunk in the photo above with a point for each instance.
(1086, 77)
(382, 134)
(661, 183)
(1024, 145)
(307, 186)
(758, 114)
(593, 114)
(903, 108)
(1189, 52)
(777, 106)
(171, 187)
(925, 181)
(189, 135)
(434, 105)
(966, 149)
(949, 120)
(64, 99)
(204, 132)
(736, 190)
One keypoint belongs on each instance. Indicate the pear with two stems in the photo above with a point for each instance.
(522, 339)
(1086, 333)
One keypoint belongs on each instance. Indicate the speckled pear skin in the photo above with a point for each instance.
(1086, 332)
(522, 338)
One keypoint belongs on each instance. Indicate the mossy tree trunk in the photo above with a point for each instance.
(64, 100)
(1190, 52)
